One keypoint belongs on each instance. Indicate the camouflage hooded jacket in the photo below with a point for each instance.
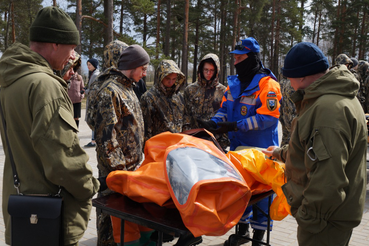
(115, 115)
(202, 98)
(162, 107)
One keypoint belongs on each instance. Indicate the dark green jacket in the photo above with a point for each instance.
(43, 139)
(326, 156)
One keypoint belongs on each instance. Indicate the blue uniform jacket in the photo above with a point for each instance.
(256, 111)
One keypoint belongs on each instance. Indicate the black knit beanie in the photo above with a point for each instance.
(133, 57)
(304, 59)
(53, 25)
(94, 62)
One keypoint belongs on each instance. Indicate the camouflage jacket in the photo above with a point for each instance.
(288, 110)
(162, 107)
(117, 121)
(202, 99)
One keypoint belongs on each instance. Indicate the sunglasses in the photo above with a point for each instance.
(239, 46)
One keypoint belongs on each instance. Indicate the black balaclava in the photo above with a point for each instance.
(247, 69)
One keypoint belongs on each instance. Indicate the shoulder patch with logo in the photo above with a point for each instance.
(272, 100)
(243, 110)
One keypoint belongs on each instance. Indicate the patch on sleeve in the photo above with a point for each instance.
(272, 101)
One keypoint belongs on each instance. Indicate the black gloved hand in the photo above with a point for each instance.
(103, 185)
(207, 124)
(225, 127)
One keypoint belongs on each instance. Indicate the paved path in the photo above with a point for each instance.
(284, 232)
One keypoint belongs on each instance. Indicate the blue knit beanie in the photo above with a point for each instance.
(93, 62)
(304, 59)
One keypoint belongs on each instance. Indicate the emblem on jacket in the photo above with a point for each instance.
(243, 110)
(272, 100)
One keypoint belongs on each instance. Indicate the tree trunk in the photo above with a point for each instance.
(354, 38)
(195, 54)
(7, 18)
(167, 30)
(301, 19)
(79, 23)
(223, 67)
(362, 40)
(144, 34)
(157, 31)
(274, 66)
(185, 43)
(319, 26)
(335, 43)
(13, 24)
(272, 34)
(315, 22)
(121, 18)
(108, 12)
(235, 34)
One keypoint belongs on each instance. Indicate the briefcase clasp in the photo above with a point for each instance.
(33, 219)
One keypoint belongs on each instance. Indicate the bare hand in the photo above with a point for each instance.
(269, 151)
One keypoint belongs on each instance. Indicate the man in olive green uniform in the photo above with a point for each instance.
(162, 106)
(203, 98)
(326, 156)
(114, 114)
(41, 129)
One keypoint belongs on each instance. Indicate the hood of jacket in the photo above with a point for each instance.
(112, 52)
(215, 80)
(165, 68)
(339, 81)
(19, 60)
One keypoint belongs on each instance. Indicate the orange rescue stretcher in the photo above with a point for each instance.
(195, 176)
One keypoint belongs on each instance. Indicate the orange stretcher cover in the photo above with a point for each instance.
(215, 190)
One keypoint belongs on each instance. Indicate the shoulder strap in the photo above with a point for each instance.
(15, 174)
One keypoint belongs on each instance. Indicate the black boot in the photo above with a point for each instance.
(242, 232)
(258, 235)
(188, 240)
(243, 229)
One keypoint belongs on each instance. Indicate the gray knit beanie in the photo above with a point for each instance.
(53, 25)
(133, 57)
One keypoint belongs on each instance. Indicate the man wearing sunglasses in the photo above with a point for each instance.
(249, 113)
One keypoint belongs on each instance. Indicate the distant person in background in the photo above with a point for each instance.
(75, 85)
(162, 106)
(140, 88)
(93, 72)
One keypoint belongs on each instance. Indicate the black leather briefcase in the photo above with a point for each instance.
(36, 220)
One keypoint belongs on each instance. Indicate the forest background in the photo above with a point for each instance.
(186, 30)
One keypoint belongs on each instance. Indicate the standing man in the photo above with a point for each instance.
(93, 72)
(40, 125)
(326, 156)
(115, 115)
(249, 113)
(203, 98)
